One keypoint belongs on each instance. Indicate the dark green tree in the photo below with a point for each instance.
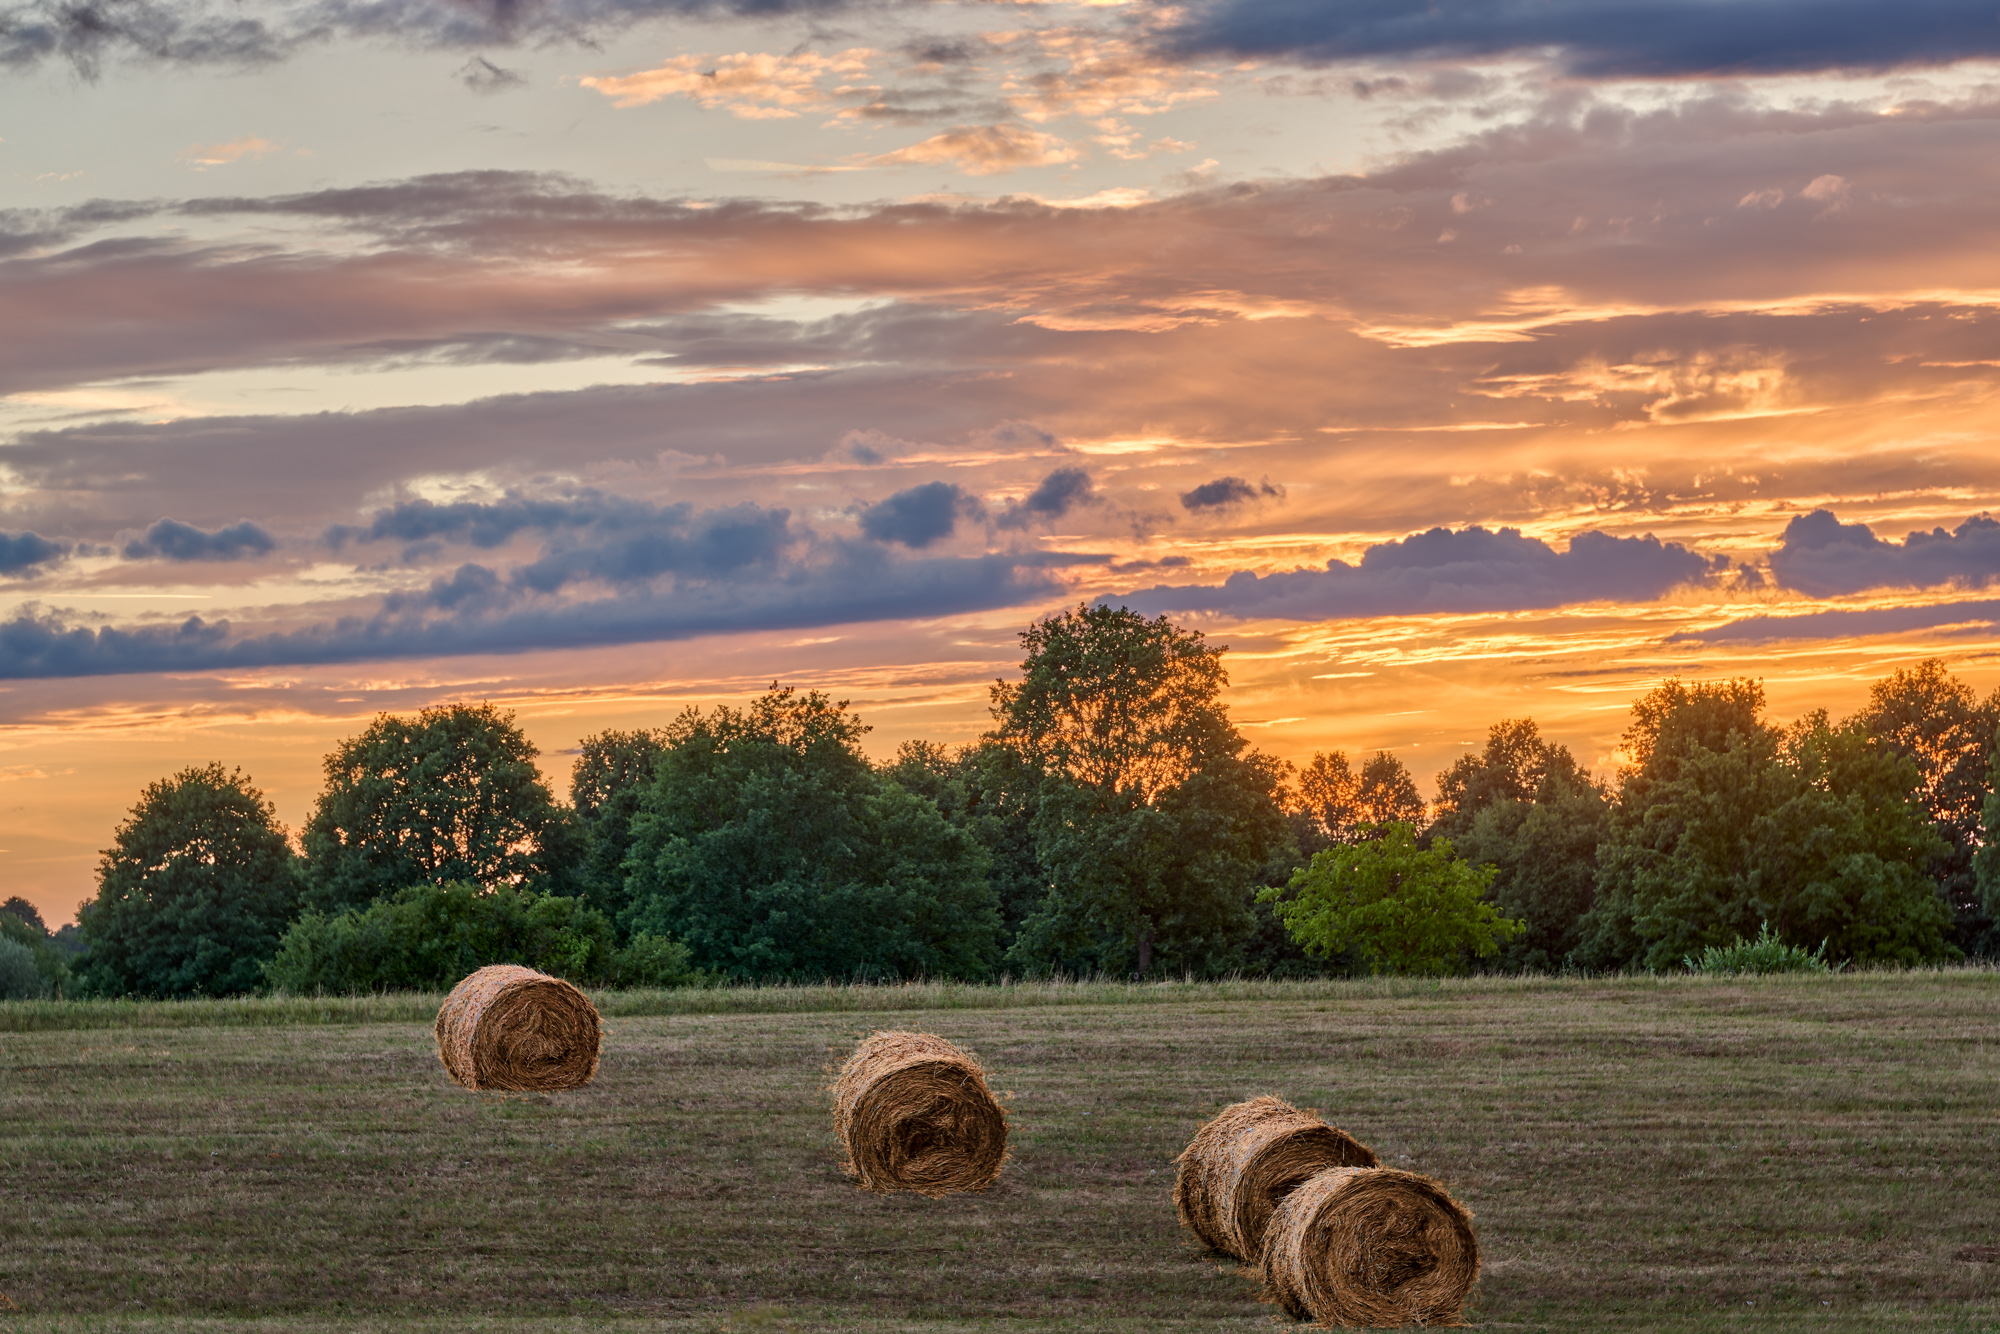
(983, 789)
(1525, 807)
(451, 794)
(1725, 823)
(1516, 765)
(1933, 719)
(1401, 907)
(613, 773)
(772, 848)
(1151, 821)
(193, 893)
(35, 965)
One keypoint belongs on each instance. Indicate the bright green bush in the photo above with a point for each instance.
(427, 937)
(1402, 908)
(1766, 954)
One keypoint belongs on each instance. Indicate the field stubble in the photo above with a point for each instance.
(1777, 1154)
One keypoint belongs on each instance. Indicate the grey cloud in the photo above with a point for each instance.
(169, 539)
(24, 553)
(483, 76)
(470, 613)
(715, 543)
(1973, 618)
(201, 33)
(1820, 555)
(921, 515)
(1601, 38)
(592, 537)
(1469, 570)
(1224, 492)
(494, 523)
(1054, 496)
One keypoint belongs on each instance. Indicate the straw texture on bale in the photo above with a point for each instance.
(1371, 1247)
(1238, 1166)
(512, 1028)
(913, 1113)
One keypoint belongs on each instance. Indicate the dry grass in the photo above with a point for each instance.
(1777, 1154)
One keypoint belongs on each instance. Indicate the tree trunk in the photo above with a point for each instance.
(1145, 951)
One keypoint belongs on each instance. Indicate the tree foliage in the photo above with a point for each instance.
(451, 794)
(1341, 805)
(1933, 719)
(193, 893)
(1150, 820)
(23, 926)
(427, 937)
(1403, 908)
(771, 847)
(1725, 822)
(1525, 806)
(983, 789)
(613, 773)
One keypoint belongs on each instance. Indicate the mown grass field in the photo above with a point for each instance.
(1641, 1154)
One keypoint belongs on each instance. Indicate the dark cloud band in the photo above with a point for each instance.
(1470, 570)
(459, 616)
(1602, 38)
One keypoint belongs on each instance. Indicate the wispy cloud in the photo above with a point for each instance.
(251, 147)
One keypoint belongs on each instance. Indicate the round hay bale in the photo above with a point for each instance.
(1370, 1247)
(914, 1113)
(1238, 1166)
(508, 1027)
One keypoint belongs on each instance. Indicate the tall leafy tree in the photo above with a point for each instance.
(452, 794)
(193, 893)
(1725, 823)
(1150, 820)
(1524, 806)
(1341, 804)
(773, 850)
(613, 772)
(1517, 764)
(1386, 793)
(1934, 720)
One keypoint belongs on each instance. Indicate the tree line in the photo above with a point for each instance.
(1111, 821)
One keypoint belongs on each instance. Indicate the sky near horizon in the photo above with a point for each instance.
(600, 357)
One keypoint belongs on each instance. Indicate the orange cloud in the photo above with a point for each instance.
(983, 150)
(751, 86)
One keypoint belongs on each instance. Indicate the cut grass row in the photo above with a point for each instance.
(404, 1007)
(1642, 1154)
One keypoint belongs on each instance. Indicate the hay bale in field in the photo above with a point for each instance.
(1238, 1166)
(1368, 1247)
(914, 1113)
(508, 1027)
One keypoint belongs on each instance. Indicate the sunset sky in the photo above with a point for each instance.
(598, 357)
